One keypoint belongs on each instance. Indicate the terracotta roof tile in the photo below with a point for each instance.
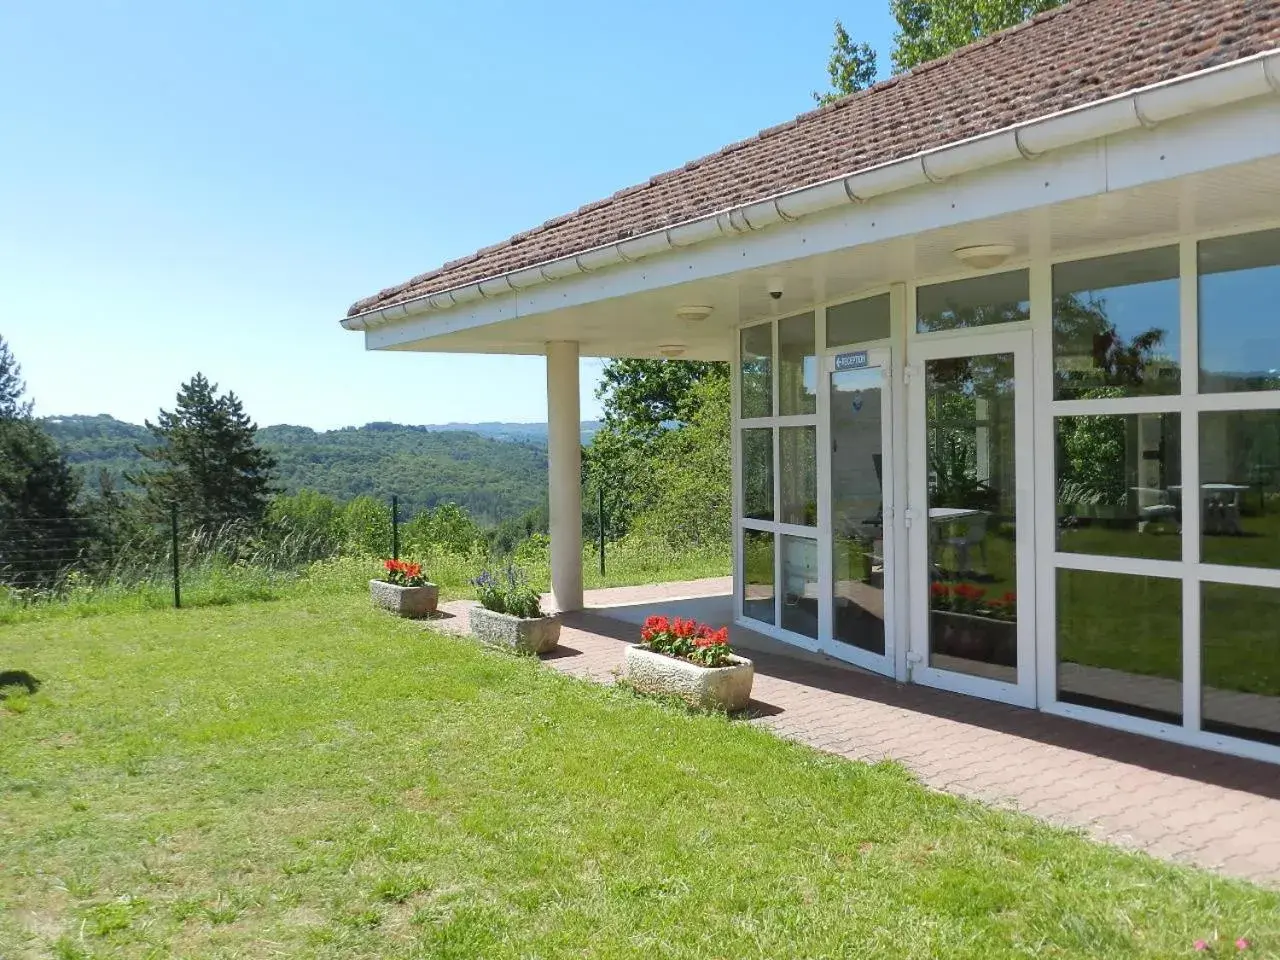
(1084, 51)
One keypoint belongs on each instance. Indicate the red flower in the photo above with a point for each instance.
(969, 591)
(687, 639)
(939, 589)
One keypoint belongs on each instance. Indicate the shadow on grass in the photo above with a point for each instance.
(17, 678)
(1193, 763)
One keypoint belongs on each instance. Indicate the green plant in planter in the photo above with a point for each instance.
(508, 592)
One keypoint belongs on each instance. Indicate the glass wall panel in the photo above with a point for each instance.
(858, 321)
(1240, 488)
(797, 366)
(857, 507)
(1120, 643)
(800, 585)
(757, 371)
(757, 575)
(972, 515)
(1240, 313)
(757, 473)
(976, 302)
(1119, 482)
(1240, 661)
(1115, 326)
(798, 465)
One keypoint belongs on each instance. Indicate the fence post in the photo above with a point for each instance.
(177, 564)
(395, 527)
(600, 523)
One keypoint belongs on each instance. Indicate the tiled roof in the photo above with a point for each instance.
(1084, 51)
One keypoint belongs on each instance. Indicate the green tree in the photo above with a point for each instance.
(643, 400)
(41, 531)
(852, 66)
(928, 29)
(12, 406)
(366, 528)
(641, 396)
(447, 527)
(207, 459)
(691, 502)
(308, 519)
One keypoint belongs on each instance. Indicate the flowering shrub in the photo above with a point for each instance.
(403, 573)
(508, 592)
(972, 599)
(687, 640)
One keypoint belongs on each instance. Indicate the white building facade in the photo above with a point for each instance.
(1006, 407)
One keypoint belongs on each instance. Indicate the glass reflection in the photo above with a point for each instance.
(1240, 313)
(976, 302)
(757, 578)
(800, 585)
(798, 464)
(857, 508)
(1120, 643)
(1115, 326)
(858, 321)
(1240, 661)
(1239, 491)
(756, 384)
(797, 366)
(757, 473)
(972, 515)
(1119, 485)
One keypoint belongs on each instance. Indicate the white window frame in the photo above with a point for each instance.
(1188, 404)
(775, 423)
(1014, 338)
(894, 663)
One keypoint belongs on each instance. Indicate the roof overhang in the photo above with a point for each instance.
(1111, 144)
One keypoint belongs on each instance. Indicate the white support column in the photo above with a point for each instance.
(564, 436)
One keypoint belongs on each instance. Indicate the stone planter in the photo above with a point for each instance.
(405, 601)
(973, 638)
(524, 635)
(711, 688)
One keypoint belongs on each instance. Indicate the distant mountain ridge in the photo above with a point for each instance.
(495, 470)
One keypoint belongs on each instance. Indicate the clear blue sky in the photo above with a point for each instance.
(208, 186)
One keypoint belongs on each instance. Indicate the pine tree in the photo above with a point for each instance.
(11, 386)
(41, 534)
(207, 460)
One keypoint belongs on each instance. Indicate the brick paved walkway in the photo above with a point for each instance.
(1174, 802)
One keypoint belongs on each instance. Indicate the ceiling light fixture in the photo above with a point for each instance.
(694, 312)
(984, 256)
(670, 350)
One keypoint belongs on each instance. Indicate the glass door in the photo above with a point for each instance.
(861, 510)
(972, 615)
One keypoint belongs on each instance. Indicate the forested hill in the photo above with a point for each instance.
(495, 470)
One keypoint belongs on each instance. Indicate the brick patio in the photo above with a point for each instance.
(1174, 802)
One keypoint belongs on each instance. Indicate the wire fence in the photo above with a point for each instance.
(49, 559)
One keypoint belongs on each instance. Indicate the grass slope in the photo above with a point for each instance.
(310, 778)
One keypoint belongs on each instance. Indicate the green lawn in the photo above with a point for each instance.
(308, 777)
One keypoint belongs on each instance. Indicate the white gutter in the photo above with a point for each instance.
(1216, 87)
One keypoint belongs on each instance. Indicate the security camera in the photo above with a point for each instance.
(775, 287)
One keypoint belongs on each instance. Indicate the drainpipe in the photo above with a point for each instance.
(1144, 108)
